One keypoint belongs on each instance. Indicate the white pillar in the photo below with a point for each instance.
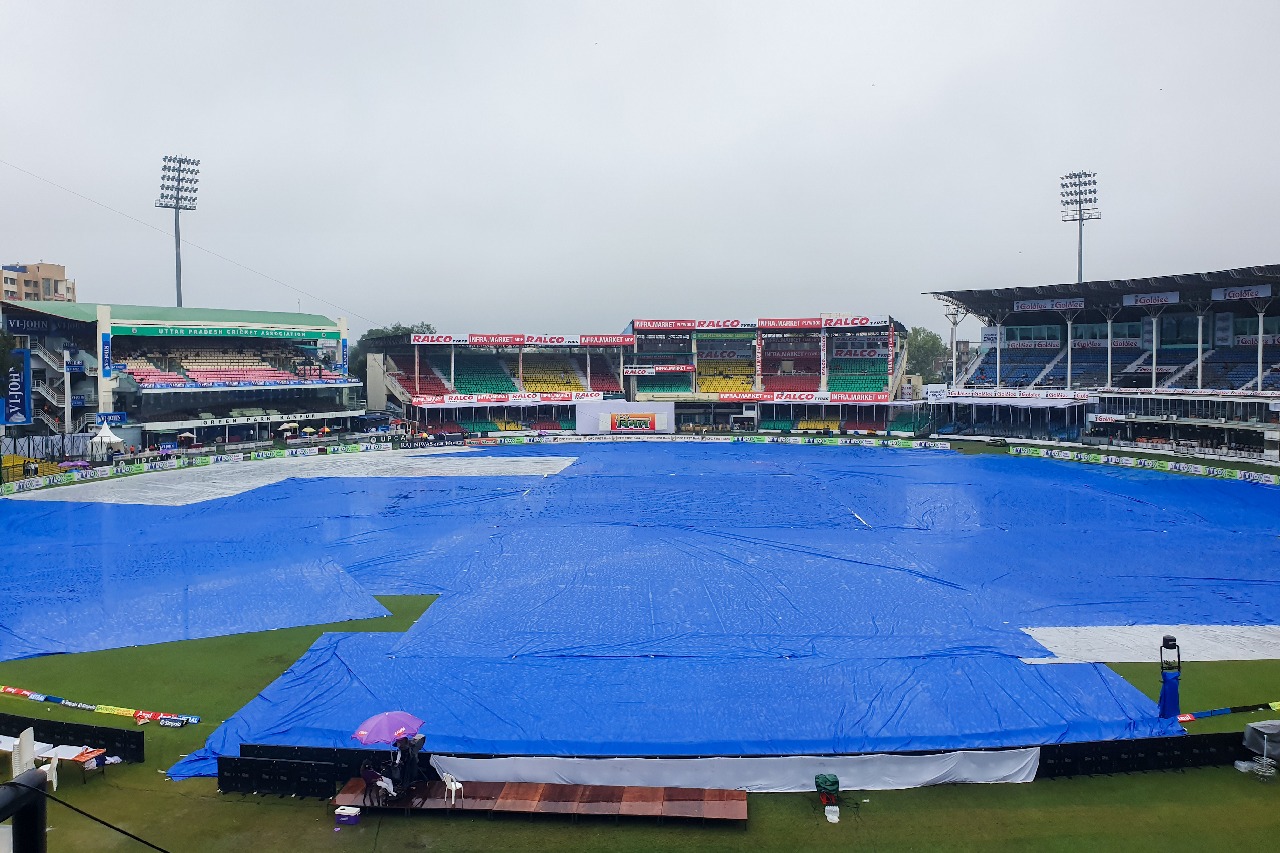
(1200, 351)
(1069, 348)
(1155, 347)
(1109, 319)
(588, 369)
(999, 346)
(1261, 314)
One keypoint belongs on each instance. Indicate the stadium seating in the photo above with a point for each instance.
(904, 422)
(1088, 370)
(428, 382)
(604, 373)
(546, 372)
(791, 382)
(858, 374)
(479, 426)
(208, 365)
(724, 376)
(863, 426)
(144, 371)
(777, 423)
(1226, 367)
(476, 373)
(1018, 367)
(832, 424)
(667, 383)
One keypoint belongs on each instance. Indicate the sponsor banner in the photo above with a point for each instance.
(17, 390)
(74, 366)
(1253, 291)
(579, 396)
(1033, 345)
(791, 353)
(343, 364)
(628, 421)
(607, 340)
(804, 397)
(1224, 329)
(1116, 343)
(438, 339)
(1167, 298)
(891, 348)
(859, 396)
(26, 326)
(989, 335)
(1108, 419)
(851, 321)
(789, 323)
(552, 341)
(1160, 368)
(861, 353)
(727, 354)
(639, 371)
(724, 324)
(495, 340)
(673, 368)
(1252, 340)
(1047, 304)
(556, 397)
(1015, 393)
(224, 332)
(822, 348)
(105, 359)
(1150, 464)
(518, 399)
(664, 325)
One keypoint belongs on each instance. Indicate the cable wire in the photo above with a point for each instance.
(95, 818)
(222, 257)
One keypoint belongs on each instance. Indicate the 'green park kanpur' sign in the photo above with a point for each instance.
(223, 332)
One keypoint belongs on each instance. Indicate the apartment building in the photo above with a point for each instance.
(39, 282)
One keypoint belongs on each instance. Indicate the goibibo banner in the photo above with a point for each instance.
(1047, 304)
(17, 390)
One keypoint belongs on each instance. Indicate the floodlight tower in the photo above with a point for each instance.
(1079, 201)
(178, 188)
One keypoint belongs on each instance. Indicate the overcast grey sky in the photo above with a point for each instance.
(564, 167)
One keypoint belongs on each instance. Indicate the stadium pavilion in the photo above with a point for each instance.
(156, 373)
(1187, 361)
(827, 372)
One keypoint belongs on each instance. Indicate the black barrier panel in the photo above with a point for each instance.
(1134, 756)
(278, 776)
(129, 745)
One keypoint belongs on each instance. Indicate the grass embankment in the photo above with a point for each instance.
(1209, 809)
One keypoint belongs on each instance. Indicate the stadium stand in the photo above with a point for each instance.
(428, 381)
(858, 374)
(777, 423)
(863, 426)
(144, 371)
(604, 373)
(476, 373)
(832, 424)
(546, 372)
(234, 368)
(791, 374)
(1018, 367)
(668, 383)
(1088, 368)
(716, 376)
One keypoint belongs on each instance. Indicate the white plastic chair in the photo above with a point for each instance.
(24, 752)
(452, 787)
(51, 773)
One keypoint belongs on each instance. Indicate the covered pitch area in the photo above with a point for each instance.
(700, 599)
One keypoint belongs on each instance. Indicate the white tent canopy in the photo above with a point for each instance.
(106, 438)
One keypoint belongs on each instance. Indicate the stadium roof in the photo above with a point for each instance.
(87, 312)
(1192, 288)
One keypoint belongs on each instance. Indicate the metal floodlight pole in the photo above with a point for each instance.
(178, 187)
(1079, 199)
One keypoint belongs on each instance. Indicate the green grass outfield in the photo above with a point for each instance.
(1204, 809)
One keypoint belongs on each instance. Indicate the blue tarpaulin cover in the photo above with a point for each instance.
(1170, 704)
(78, 577)
(712, 599)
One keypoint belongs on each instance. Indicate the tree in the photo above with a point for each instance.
(925, 352)
(368, 343)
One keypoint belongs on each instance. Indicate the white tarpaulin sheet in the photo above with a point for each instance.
(761, 775)
(1141, 643)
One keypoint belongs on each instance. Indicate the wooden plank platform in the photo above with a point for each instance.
(548, 798)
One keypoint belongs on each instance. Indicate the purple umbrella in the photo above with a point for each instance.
(387, 727)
